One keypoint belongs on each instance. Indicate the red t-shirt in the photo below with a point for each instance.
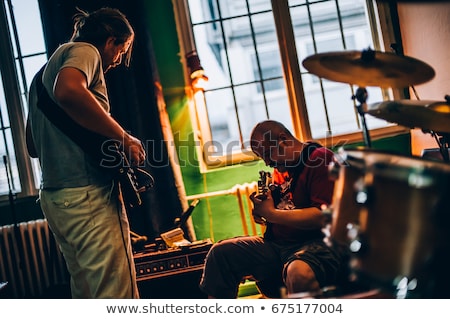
(313, 188)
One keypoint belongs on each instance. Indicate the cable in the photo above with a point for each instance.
(119, 215)
(149, 183)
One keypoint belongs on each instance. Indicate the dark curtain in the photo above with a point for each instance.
(133, 100)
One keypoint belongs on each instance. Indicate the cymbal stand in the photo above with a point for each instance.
(361, 96)
(443, 141)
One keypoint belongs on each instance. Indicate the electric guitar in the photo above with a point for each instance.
(264, 182)
(131, 187)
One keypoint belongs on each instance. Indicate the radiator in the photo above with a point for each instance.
(245, 205)
(31, 262)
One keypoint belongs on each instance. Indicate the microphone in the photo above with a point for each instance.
(180, 221)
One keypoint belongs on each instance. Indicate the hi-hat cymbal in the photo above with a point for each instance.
(427, 115)
(369, 68)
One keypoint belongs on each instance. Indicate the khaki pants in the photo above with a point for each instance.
(91, 226)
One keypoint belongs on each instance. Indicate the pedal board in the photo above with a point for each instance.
(152, 264)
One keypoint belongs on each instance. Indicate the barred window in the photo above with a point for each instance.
(252, 53)
(23, 52)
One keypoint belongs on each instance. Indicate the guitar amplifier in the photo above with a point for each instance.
(154, 264)
(173, 272)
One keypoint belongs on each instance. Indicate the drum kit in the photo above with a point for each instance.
(390, 212)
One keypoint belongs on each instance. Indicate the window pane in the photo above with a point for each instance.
(240, 48)
(9, 175)
(32, 66)
(296, 2)
(210, 48)
(356, 18)
(315, 105)
(222, 116)
(4, 118)
(375, 96)
(329, 104)
(266, 43)
(259, 5)
(251, 108)
(277, 102)
(200, 11)
(29, 26)
(232, 8)
(340, 107)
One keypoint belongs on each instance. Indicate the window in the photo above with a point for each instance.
(252, 53)
(23, 52)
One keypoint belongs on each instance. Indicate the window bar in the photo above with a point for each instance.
(241, 139)
(344, 44)
(261, 81)
(19, 51)
(3, 128)
(322, 90)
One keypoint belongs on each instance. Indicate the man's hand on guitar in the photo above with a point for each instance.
(263, 206)
(134, 149)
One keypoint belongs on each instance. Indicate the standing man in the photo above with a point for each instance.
(292, 253)
(82, 203)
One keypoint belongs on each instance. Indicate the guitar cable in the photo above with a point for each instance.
(150, 183)
(130, 271)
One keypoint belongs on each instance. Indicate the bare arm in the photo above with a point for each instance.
(73, 96)
(301, 218)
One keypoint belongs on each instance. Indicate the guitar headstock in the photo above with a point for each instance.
(265, 180)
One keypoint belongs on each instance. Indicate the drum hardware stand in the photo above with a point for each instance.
(361, 96)
(442, 139)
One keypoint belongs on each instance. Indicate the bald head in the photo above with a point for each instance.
(267, 131)
(274, 143)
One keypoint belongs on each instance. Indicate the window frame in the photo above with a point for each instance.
(15, 105)
(382, 32)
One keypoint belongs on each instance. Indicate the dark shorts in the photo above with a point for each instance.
(323, 260)
(232, 259)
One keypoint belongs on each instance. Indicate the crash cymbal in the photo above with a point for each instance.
(369, 68)
(427, 115)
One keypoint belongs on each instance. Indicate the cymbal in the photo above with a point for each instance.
(427, 115)
(369, 68)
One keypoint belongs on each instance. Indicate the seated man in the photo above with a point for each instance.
(292, 252)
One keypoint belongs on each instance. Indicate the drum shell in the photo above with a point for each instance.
(402, 222)
(399, 224)
(345, 209)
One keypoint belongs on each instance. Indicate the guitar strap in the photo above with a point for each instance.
(92, 143)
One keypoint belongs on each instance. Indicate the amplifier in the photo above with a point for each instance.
(172, 273)
(155, 264)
